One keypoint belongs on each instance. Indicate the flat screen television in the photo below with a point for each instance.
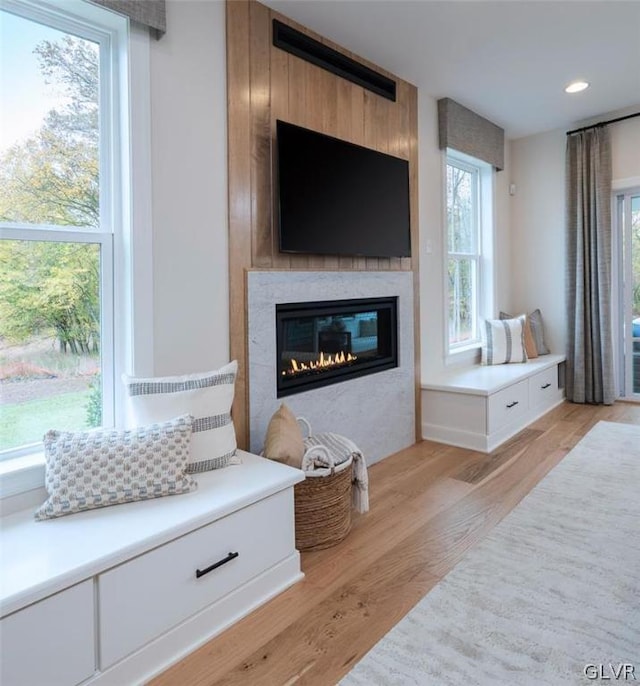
(337, 198)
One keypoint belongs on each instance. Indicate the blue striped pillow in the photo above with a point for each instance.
(207, 396)
(503, 341)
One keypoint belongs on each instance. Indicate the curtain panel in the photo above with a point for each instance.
(151, 13)
(590, 371)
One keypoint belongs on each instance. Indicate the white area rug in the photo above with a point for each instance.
(554, 587)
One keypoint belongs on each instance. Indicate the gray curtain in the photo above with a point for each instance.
(590, 374)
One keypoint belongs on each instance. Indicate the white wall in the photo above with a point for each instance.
(537, 236)
(625, 151)
(432, 222)
(430, 212)
(189, 167)
(537, 217)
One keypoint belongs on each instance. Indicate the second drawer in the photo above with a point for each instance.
(507, 406)
(543, 387)
(145, 597)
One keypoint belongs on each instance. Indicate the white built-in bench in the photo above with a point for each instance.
(111, 596)
(480, 407)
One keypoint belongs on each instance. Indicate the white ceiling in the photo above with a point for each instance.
(508, 60)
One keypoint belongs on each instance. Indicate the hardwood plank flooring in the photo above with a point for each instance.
(429, 504)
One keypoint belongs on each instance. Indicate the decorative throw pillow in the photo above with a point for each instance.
(89, 469)
(207, 396)
(537, 330)
(529, 342)
(283, 441)
(504, 341)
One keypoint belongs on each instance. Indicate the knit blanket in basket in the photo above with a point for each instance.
(340, 450)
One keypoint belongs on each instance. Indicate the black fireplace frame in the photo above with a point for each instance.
(289, 386)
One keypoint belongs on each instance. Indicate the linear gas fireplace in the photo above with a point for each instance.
(321, 343)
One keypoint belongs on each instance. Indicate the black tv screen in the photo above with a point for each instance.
(337, 198)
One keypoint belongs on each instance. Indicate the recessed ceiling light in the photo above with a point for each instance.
(576, 87)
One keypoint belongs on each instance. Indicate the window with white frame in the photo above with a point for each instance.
(63, 217)
(469, 279)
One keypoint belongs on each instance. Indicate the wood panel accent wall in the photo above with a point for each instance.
(265, 84)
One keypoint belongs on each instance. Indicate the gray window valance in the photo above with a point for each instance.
(468, 132)
(151, 13)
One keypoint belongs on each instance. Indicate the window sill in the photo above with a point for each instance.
(21, 474)
(465, 355)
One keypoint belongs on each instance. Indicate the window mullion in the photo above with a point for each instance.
(53, 235)
(107, 314)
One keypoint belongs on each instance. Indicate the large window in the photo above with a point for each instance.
(468, 246)
(627, 224)
(61, 208)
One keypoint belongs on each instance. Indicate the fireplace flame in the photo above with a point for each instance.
(323, 361)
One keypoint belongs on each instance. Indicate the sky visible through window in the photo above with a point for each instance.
(26, 98)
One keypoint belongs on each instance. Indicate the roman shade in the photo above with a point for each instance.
(151, 13)
(463, 130)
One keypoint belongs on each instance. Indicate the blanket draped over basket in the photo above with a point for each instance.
(337, 450)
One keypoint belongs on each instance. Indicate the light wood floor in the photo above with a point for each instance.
(429, 504)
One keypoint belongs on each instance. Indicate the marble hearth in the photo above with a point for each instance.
(376, 411)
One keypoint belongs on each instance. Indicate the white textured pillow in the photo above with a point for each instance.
(89, 469)
(207, 396)
(504, 341)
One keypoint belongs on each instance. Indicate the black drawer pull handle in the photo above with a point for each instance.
(545, 386)
(513, 404)
(215, 565)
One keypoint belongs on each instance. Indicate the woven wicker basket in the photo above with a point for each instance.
(323, 509)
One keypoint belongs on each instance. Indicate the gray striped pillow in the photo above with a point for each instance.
(207, 396)
(504, 341)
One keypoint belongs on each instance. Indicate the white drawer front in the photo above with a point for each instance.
(145, 597)
(50, 642)
(507, 406)
(543, 387)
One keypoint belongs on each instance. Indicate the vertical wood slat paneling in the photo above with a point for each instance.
(412, 107)
(264, 84)
(259, 98)
(396, 122)
(239, 201)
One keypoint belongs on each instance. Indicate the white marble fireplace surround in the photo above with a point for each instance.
(376, 411)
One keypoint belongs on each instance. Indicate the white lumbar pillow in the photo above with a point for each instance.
(207, 396)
